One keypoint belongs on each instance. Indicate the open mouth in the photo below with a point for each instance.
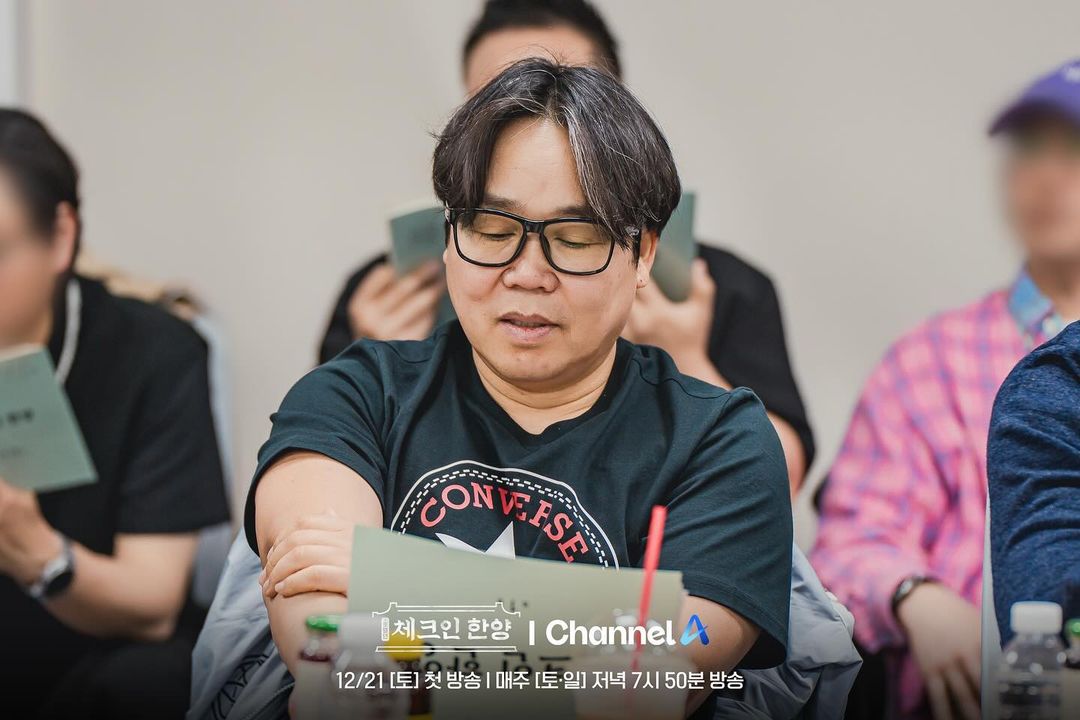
(526, 327)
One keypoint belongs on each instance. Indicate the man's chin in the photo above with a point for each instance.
(526, 367)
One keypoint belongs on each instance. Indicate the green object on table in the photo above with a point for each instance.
(323, 623)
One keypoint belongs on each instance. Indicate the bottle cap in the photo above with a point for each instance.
(406, 647)
(323, 623)
(1072, 628)
(358, 631)
(1036, 617)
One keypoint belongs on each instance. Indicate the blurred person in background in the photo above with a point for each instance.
(903, 510)
(729, 332)
(106, 631)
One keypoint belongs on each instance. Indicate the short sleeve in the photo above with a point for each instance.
(729, 525)
(173, 479)
(335, 410)
(1033, 465)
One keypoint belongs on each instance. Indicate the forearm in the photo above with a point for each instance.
(864, 572)
(287, 615)
(296, 488)
(114, 597)
(734, 636)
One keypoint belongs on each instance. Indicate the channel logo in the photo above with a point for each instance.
(563, 632)
(695, 630)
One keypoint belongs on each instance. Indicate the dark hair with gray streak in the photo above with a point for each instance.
(624, 163)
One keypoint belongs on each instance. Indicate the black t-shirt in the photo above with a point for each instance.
(448, 463)
(138, 386)
(746, 343)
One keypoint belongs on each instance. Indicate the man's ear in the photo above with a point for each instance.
(647, 253)
(64, 236)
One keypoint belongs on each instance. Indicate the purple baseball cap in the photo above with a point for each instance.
(1057, 92)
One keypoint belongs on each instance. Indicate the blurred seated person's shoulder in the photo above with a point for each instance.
(144, 325)
(175, 298)
(733, 275)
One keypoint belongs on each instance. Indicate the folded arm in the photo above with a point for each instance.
(305, 508)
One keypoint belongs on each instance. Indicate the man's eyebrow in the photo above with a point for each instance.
(574, 211)
(500, 203)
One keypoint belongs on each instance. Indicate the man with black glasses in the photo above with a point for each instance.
(557, 184)
(728, 332)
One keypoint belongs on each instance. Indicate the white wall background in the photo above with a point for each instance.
(10, 52)
(253, 149)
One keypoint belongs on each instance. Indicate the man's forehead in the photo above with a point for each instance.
(571, 208)
(533, 171)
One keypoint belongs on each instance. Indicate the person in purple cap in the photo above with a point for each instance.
(900, 539)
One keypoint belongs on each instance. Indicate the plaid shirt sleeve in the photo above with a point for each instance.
(884, 496)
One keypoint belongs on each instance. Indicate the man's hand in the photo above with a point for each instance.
(298, 488)
(27, 541)
(386, 307)
(313, 556)
(944, 634)
(680, 328)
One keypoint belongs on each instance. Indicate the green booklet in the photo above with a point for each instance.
(417, 235)
(41, 447)
(676, 251)
(489, 615)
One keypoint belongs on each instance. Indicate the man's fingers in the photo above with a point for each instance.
(408, 285)
(298, 538)
(939, 697)
(321, 521)
(374, 283)
(317, 578)
(972, 667)
(300, 558)
(961, 691)
(421, 304)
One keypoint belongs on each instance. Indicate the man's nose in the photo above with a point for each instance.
(530, 269)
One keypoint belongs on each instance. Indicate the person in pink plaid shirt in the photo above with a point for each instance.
(900, 540)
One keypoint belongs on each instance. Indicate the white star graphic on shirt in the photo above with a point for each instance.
(502, 547)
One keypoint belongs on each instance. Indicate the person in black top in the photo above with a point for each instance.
(729, 332)
(99, 638)
(528, 426)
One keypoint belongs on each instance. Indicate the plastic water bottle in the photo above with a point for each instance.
(1029, 682)
(361, 683)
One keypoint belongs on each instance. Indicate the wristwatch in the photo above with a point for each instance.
(56, 575)
(905, 588)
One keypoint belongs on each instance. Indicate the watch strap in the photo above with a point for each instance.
(54, 571)
(905, 588)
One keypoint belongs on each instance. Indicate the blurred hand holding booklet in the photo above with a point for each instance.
(41, 447)
(676, 251)
(418, 582)
(417, 236)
